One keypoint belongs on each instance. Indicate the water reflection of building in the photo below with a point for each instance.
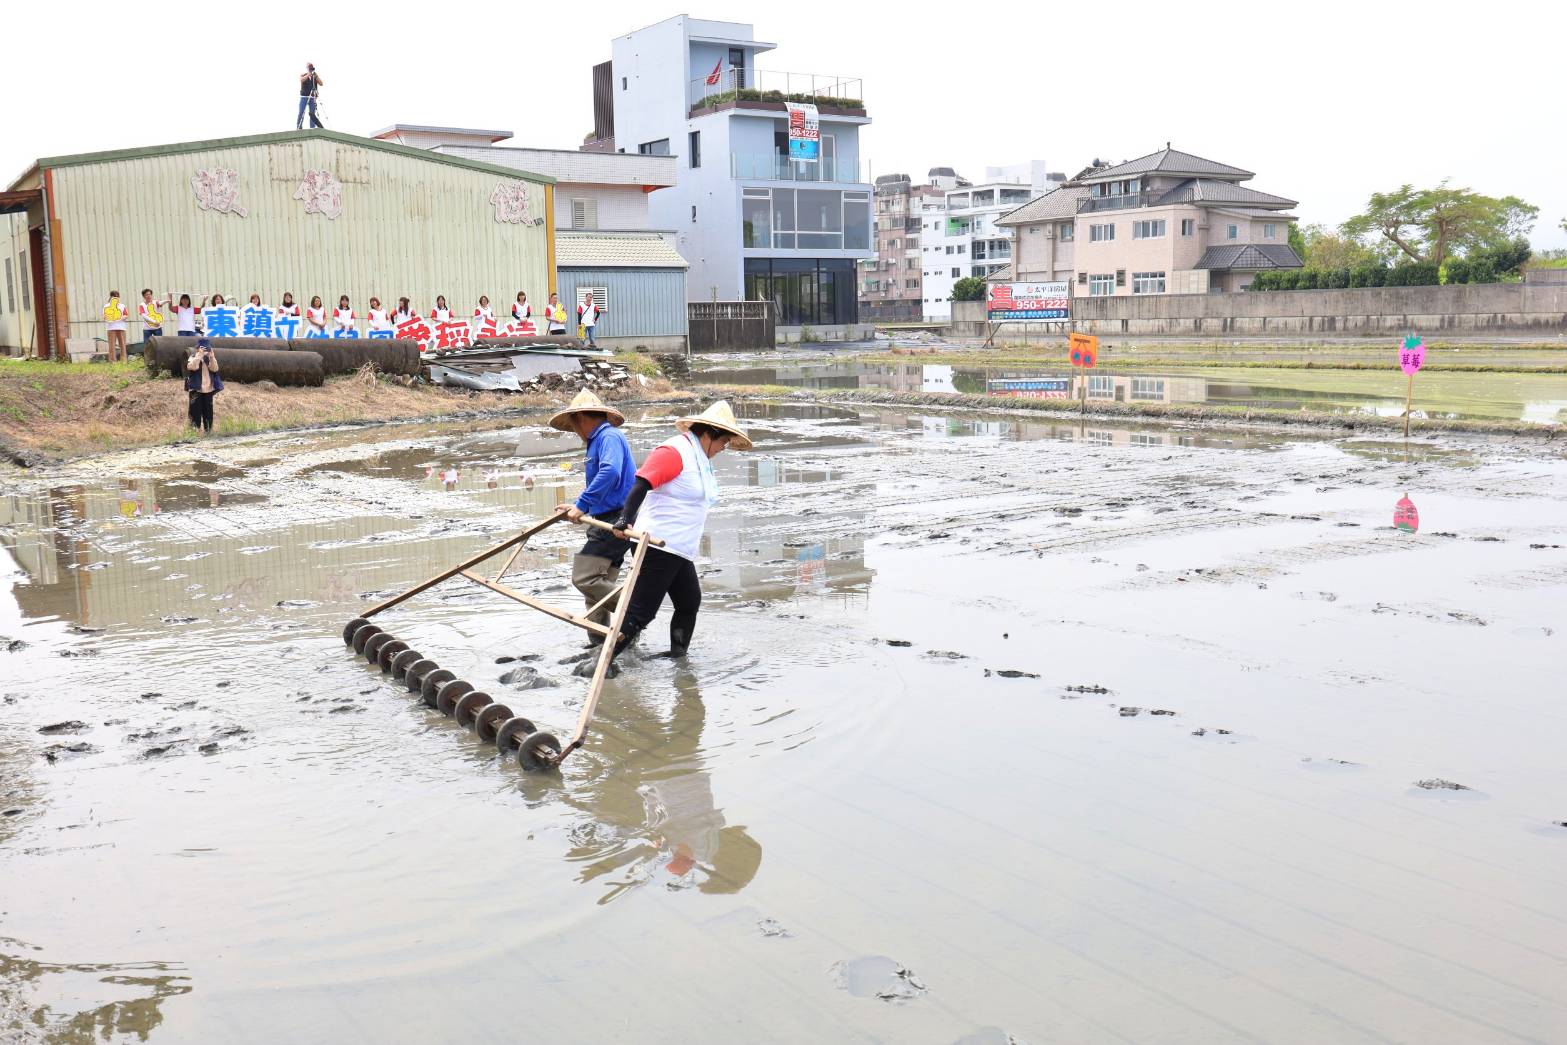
(160, 548)
(769, 550)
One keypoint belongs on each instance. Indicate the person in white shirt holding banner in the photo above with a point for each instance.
(379, 319)
(588, 313)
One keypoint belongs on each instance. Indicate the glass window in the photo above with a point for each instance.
(10, 287)
(1100, 286)
(1188, 226)
(1101, 233)
(1267, 231)
(654, 148)
(1067, 230)
(1232, 231)
(1101, 386)
(1148, 388)
(695, 148)
(957, 273)
(1151, 229)
(820, 219)
(756, 220)
(783, 218)
(21, 277)
(856, 221)
(1148, 283)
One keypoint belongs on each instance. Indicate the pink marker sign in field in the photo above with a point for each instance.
(1411, 357)
(1406, 516)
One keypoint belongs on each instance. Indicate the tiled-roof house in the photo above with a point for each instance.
(1165, 223)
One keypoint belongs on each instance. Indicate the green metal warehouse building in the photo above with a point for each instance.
(311, 212)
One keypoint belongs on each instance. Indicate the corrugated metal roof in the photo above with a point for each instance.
(1208, 190)
(615, 250)
(573, 165)
(1249, 256)
(1169, 161)
(247, 141)
(1057, 203)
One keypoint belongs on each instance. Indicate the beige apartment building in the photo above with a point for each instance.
(1165, 223)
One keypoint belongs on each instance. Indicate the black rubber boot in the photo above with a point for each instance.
(680, 628)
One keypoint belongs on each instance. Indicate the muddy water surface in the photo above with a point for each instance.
(990, 728)
(1540, 398)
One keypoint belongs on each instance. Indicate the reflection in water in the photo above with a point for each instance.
(1520, 396)
(43, 1001)
(651, 808)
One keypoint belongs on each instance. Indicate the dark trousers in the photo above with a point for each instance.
(664, 574)
(201, 410)
(604, 544)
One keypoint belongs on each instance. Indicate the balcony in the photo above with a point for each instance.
(773, 167)
(1094, 204)
(766, 89)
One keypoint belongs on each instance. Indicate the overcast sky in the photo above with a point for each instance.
(1326, 101)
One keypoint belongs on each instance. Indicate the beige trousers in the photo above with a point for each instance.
(594, 576)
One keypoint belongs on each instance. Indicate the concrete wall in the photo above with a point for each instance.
(1503, 308)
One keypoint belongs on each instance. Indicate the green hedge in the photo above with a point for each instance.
(1412, 274)
(751, 94)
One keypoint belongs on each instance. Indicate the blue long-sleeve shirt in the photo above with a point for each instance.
(611, 471)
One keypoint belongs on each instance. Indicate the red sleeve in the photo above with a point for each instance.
(662, 465)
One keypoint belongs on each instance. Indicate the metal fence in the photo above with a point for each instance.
(714, 326)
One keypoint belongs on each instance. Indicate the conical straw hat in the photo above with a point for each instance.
(719, 416)
(585, 402)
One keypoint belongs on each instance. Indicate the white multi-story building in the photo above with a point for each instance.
(961, 238)
(753, 223)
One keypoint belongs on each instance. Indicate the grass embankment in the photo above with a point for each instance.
(1157, 413)
(55, 410)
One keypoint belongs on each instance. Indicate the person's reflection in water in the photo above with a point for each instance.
(653, 805)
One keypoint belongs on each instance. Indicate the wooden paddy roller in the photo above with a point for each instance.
(513, 735)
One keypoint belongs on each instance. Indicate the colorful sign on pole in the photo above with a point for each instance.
(1413, 355)
(1411, 358)
(1022, 302)
(1406, 516)
(1083, 350)
(805, 132)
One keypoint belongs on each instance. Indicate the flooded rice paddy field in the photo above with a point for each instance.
(1540, 398)
(990, 728)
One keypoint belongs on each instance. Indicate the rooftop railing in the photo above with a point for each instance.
(773, 167)
(764, 85)
(1092, 204)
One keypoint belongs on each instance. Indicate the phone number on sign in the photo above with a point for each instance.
(1029, 313)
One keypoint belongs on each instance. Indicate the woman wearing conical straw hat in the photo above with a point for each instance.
(677, 484)
(610, 472)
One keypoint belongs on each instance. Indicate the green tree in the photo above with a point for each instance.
(969, 288)
(1297, 240)
(1324, 248)
(1430, 225)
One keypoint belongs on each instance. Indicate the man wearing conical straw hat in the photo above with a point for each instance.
(610, 472)
(674, 489)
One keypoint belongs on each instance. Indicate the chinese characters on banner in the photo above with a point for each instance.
(251, 321)
(218, 190)
(805, 132)
(1018, 302)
